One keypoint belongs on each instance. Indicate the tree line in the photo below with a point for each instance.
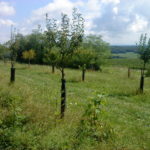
(46, 50)
(115, 49)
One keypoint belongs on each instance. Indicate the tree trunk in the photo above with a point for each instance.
(83, 74)
(12, 77)
(29, 62)
(53, 69)
(63, 94)
(129, 72)
(142, 84)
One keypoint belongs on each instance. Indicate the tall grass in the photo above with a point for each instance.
(29, 109)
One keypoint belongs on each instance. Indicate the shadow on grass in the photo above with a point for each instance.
(11, 84)
(47, 73)
(74, 80)
(23, 68)
(130, 94)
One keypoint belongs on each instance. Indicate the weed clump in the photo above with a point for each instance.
(8, 100)
(12, 123)
(91, 127)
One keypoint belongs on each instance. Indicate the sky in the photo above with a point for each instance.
(120, 22)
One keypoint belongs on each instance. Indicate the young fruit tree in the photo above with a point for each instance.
(69, 37)
(84, 58)
(144, 52)
(100, 48)
(51, 50)
(51, 57)
(29, 55)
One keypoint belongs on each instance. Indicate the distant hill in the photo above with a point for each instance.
(123, 49)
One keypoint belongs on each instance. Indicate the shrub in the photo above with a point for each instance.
(12, 123)
(12, 135)
(91, 127)
(7, 100)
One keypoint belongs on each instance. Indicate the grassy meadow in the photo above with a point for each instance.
(130, 55)
(29, 109)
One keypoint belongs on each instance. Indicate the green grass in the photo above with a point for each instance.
(29, 108)
(129, 55)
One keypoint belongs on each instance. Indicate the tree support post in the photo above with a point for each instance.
(83, 74)
(53, 69)
(142, 84)
(142, 81)
(63, 97)
(12, 76)
(29, 62)
(129, 72)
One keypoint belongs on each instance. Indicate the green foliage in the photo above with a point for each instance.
(12, 122)
(128, 62)
(148, 73)
(4, 51)
(67, 38)
(100, 47)
(84, 58)
(13, 46)
(12, 135)
(127, 55)
(20, 43)
(29, 55)
(14, 49)
(91, 126)
(51, 33)
(43, 43)
(144, 52)
(144, 49)
(93, 53)
(36, 41)
(8, 101)
(51, 56)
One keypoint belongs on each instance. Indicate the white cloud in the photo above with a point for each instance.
(111, 1)
(53, 9)
(24, 30)
(106, 17)
(118, 21)
(6, 22)
(91, 9)
(6, 9)
(139, 24)
(57, 5)
(115, 10)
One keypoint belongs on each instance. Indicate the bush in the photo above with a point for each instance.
(12, 135)
(12, 123)
(7, 100)
(91, 127)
